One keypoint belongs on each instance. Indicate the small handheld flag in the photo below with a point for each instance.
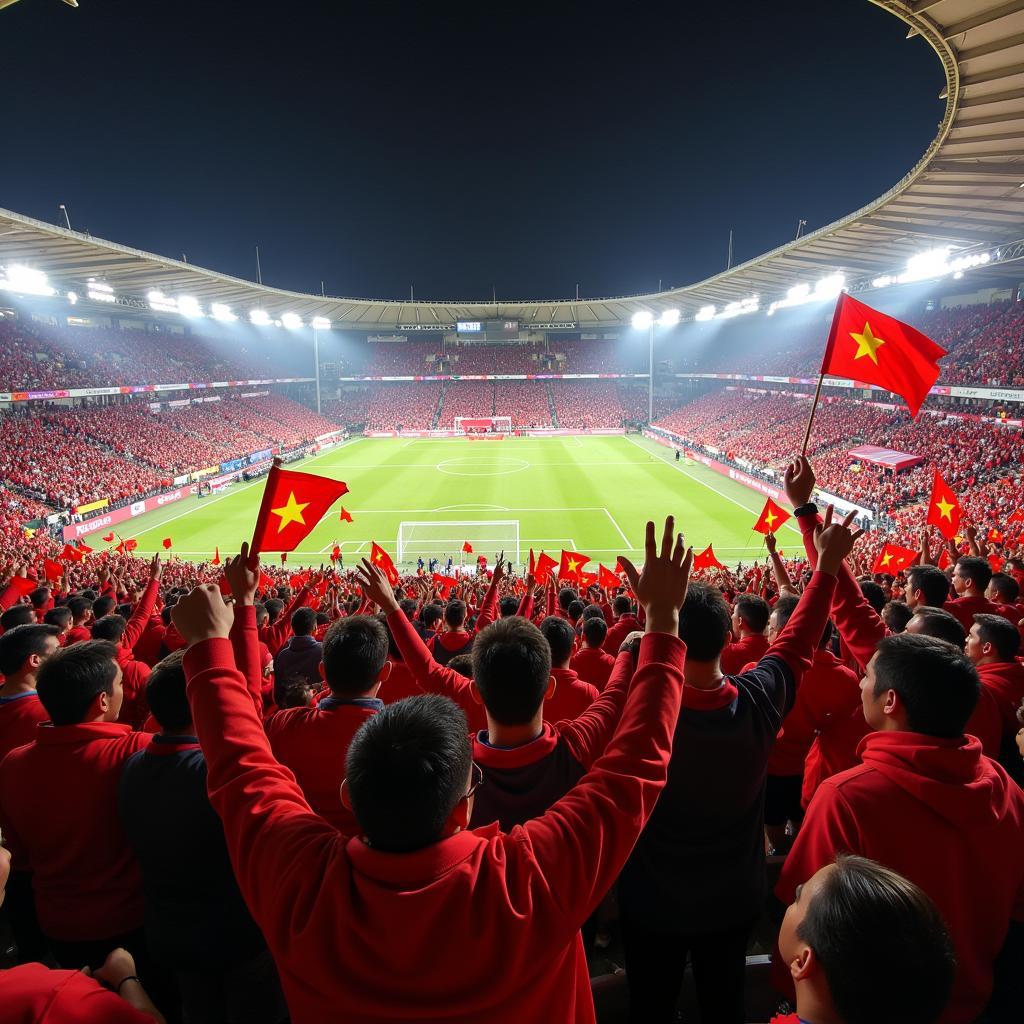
(893, 559)
(380, 558)
(607, 579)
(572, 563)
(542, 570)
(344, 516)
(707, 559)
(467, 547)
(771, 518)
(293, 503)
(167, 543)
(944, 508)
(216, 556)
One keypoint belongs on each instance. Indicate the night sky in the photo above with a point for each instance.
(455, 147)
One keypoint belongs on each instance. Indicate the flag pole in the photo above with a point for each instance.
(821, 373)
(261, 517)
(810, 418)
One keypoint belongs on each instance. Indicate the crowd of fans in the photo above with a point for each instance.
(409, 406)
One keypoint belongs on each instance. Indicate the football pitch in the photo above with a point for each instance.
(591, 494)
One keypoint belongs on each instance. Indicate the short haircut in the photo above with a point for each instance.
(784, 608)
(975, 569)
(39, 596)
(595, 631)
(512, 668)
(593, 611)
(463, 664)
(455, 614)
(407, 769)
(79, 606)
(935, 681)
(262, 615)
(355, 649)
(59, 617)
(566, 596)
(430, 614)
(1001, 633)
(942, 625)
(274, 607)
(576, 609)
(103, 605)
(705, 622)
(931, 581)
(561, 637)
(165, 693)
(303, 621)
(70, 680)
(753, 611)
(408, 605)
(17, 615)
(508, 606)
(861, 898)
(1006, 587)
(896, 615)
(622, 605)
(874, 594)
(19, 644)
(110, 627)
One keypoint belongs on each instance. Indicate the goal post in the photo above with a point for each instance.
(473, 425)
(444, 538)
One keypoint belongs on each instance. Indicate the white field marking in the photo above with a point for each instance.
(471, 508)
(484, 463)
(625, 539)
(232, 491)
(341, 544)
(445, 508)
(703, 483)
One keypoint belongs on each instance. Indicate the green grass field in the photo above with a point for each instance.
(593, 494)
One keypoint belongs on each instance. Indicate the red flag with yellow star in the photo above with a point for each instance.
(380, 558)
(571, 564)
(293, 503)
(944, 508)
(893, 558)
(542, 570)
(707, 559)
(771, 518)
(606, 578)
(877, 349)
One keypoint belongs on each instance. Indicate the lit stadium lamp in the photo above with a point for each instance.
(320, 323)
(882, 282)
(25, 281)
(705, 313)
(669, 318)
(221, 312)
(188, 306)
(829, 287)
(797, 294)
(291, 320)
(72, 297)
(643, 320)
(931, 263)
(260, 318)
(99, 291)
(159, 302)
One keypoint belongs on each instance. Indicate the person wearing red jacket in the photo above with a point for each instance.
(591, 663)
(454, 638)
(625, 623)
(835, 972)
(373, 906)
(571, 695)
(749, 622)
(993, 644)
(927, 803)
(81, 620)
(971, 575)
(58, 810)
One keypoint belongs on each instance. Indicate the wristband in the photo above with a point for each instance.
(810, 509)
(130, 977)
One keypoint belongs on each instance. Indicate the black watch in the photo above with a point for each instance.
(810, 509)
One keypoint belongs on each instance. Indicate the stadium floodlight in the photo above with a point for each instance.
(291, 320)
(221, 312)
(159, 302)
(669, 318)
(259, 317)
(189, 306)
(830, 286)
(320, 323)
(705, 313)
(99, 291)
(882, 282)
(72, 297)
(927, 264)
(751, 304)
(643, 320)
(25, 280)
(797, 294)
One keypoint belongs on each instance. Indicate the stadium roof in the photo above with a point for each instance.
(966, 191)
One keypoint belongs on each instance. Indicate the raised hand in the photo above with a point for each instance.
(661, 586)
(242, 576)
(769, 543)
(202, 615)
(834, 541)
(376, 586)
(156, 568)
(799, 481)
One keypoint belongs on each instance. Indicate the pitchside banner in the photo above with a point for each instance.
(120, 515)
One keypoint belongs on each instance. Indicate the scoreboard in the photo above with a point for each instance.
(488, 330)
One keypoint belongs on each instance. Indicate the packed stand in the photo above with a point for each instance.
(405, 406)
(586, 405)
(524, 401)
(465, 398)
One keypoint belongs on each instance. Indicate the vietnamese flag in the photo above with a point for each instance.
(771, 518)
(266, 583)
(572, 563)
(131, 544)
(893, 558)
(344, 516)
(995, 536)
(542, 571)
(22, 585)
(707, 559)
(944, 559)
(1016, 517)
(167, 543)
(70, 554)
(53, 570)
(335, 553)
(293, 503)
(944, 508)
(216, 556)
(996, 562)
(607, 579)
(83, 547)
(532, 564)
(877, 349)
(380, 558)
(108, 537)
(467, 547)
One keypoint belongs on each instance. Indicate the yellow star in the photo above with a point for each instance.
(770, 518)
(886, 558)
(867, 344)
(945, 508)
(290, 512)
(574, 564)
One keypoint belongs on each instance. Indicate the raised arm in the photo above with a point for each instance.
(525, 608)
(276, 635)
(245, 642)
(489, 607)
(782, 580)
(136, 624)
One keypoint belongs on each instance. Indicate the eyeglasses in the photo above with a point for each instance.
(478, 780)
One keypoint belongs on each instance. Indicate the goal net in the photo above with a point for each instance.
(482, 425)
(444, 539)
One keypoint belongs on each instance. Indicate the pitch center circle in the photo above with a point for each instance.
(469, 466)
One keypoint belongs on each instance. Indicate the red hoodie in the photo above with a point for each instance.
(945, 816)
(965, 608)
(33, 994)
(1005, 681)
(593, 665)
(736, 655)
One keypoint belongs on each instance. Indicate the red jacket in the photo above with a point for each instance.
(135, 673)
(400, 683)
(1005, 681)
(313, 742)
(737, 654)
(355, 932)
(619, 631)
(593, 665)
(571, 698)
(77, 634)
(19, 716)
(58, 809)
(946, 817)
(965, 608)
(33, 994)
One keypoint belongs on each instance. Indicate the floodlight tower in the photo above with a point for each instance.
(644, 320)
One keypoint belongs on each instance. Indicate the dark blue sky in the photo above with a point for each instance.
(455, 147)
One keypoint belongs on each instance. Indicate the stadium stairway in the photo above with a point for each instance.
(551, 404)
(436, 418)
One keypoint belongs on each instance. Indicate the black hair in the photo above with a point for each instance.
(430, 614)
(874, 594)
(575, 609)
(294, 692)
(103, 605)
(594, 611)
(975, 569)
(705, 622)
(455, 614)
(79, 605)
(783, 609)
(17, 615)
(261, 611)
(303, 621)
(407, 768)
(463, 664)
(17, 645)
(1001, 633)
(355, 649)
(165, 693)
(560, 637)
(274, 607)
(1006, 587)
(622, 605)
(566, 596)
(39, 596)
(595, 631)
(408, 605)
(753, 611)
(512, 669)
(935, 680)
(110, 627)
(938, 623)
(60, 617)
(896, 615)
(508, 606)
(70, 680)
(931, 581)
(861, 898)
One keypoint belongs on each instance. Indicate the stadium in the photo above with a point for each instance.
(450, 497)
